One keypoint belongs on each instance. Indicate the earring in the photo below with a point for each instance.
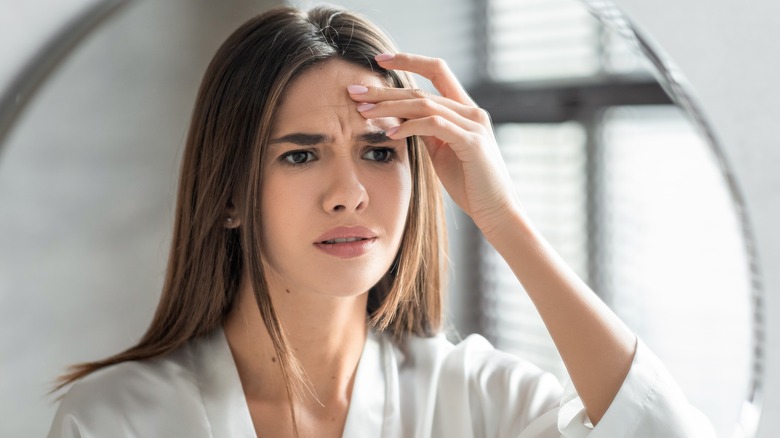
(229, 221)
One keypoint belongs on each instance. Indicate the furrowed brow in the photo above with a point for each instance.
(374, 137)
(301, 139)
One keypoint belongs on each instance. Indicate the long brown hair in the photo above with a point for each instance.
(222, 164)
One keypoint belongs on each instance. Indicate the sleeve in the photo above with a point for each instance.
(132, 399)
(486, 392)
(648, 404)
(69, 421)
(498, 395)
(65, 426)
(84, 412)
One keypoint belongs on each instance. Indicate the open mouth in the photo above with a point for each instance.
(346, 242)
(343, 240)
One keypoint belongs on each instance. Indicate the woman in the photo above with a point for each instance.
(303, 295)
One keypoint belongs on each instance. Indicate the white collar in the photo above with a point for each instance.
(373, 409)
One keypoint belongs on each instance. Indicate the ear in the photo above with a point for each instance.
(231, 216)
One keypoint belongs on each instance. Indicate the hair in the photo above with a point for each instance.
(222, 165)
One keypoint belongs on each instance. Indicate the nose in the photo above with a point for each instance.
(344, 191)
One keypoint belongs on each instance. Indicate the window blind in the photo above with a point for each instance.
(547, 164)
(528, 41)
(553, 39)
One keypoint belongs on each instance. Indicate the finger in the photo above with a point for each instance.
(458, 139)
(377, 95)
(417, 109)
(433, 69)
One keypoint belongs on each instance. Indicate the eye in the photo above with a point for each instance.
(381, 155)
(297, 158)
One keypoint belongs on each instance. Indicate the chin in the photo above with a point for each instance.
(338, 280)
(346, 289)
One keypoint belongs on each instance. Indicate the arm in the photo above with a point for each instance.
(596, 347)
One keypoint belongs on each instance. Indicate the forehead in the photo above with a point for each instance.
(318, 98)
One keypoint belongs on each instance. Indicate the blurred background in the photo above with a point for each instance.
(656, 197)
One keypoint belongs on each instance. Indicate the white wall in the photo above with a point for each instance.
(728, 50)
(87, 184)
(26, 27)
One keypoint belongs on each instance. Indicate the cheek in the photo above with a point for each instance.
(280, 201)
(395, 196)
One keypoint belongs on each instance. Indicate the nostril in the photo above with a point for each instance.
(344, 198)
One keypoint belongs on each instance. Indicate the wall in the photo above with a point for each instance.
(87, 184)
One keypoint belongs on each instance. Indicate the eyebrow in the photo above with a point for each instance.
(308, 139)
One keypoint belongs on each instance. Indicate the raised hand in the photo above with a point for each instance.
(595, 345)
(457, 133)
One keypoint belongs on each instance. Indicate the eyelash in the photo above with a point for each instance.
(391, 154)
(286, 157)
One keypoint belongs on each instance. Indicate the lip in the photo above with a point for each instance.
(346, 249)
(345, 233)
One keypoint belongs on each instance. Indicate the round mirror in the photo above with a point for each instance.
(612, 158)
(618, 168)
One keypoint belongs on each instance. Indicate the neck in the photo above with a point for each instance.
(325, 333)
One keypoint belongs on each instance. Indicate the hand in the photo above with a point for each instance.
(457, 133)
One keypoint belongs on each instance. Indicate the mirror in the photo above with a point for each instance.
(632, 190)
(650, 216)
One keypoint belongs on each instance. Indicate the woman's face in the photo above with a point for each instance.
(336, 191)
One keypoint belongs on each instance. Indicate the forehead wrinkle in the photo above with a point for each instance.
(318, 102)
(346, 125)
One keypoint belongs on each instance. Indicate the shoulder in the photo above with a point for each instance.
(132, 396)
(153, 380)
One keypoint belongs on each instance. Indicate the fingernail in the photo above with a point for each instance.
(384, 57)
(392, 131)
(357, 89)
(365, 106)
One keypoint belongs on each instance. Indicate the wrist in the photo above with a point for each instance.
(504, 223)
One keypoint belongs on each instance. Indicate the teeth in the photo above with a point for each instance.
(344, 239)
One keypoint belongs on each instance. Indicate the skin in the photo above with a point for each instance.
(327, 325)
(343, 179)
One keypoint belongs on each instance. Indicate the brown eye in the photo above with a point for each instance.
(382, 155)
(296, 158)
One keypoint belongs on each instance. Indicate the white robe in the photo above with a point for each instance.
(436, 389)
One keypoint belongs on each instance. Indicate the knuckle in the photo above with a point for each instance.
(440, 64)
(474, 113)
(439, 69)
(419, 93)
(482, 116)
(439, 121)
(429, 105)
